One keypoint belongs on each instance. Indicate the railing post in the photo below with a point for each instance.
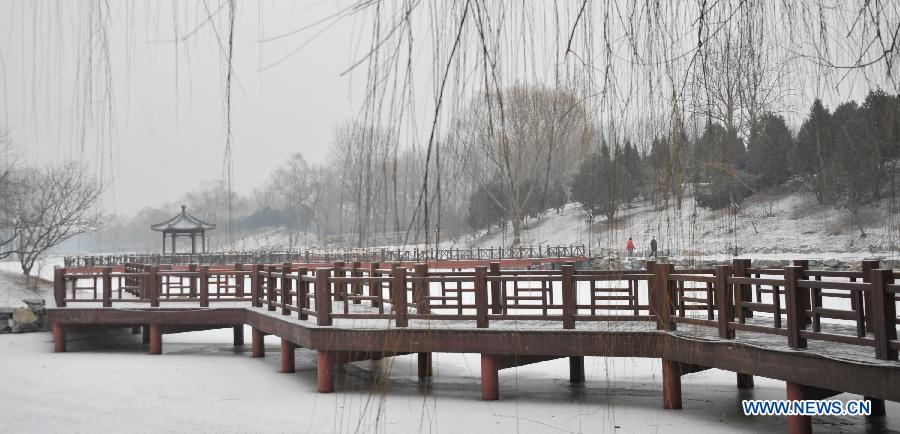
(742, 292)
(724, 301)
(302, 293)
(270, 288)
(795, 306)
(193, 282)
(481, 297)
(238, 280)
(107, 286)
(867, 266)
(59, 286)
(884, 313)
(421, 288)
(496, 289)
(661, 298)
(256, 285)
(356, 286)
(568, 296)
(286, 287)
(203, 279)
(340, 289)
(153, 283)
(398, 295)
(374, 285)
(323, 297)
(806, 294)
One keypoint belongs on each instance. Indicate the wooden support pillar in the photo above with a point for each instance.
(287, 356)
(324, 368)
(744, 381)
(424, 365)
(155, 339)
(801, 392)
(59, 338)
(258, 342)
(671, 374)
(798, 424)
(238, 335)
(576, 369)
(877, 407)
(490, 381)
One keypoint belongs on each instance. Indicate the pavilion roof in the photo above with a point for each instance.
(183, 222)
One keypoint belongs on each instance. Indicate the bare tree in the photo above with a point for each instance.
(526, 138)
(60, 202)
(10, 191)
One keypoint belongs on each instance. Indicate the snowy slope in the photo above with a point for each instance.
(770, 226)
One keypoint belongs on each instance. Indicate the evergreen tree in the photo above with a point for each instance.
(770, 151)
(881, 113)
(856, 159)
(594, 186)
(815, 146)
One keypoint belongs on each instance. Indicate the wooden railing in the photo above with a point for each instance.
(317, 256)
(722, 300)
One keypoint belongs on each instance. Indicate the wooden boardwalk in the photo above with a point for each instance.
(833, 332)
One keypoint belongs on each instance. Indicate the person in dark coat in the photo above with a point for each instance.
(653, 247)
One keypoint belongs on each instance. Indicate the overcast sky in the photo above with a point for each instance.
(116, 91)
(166, 134)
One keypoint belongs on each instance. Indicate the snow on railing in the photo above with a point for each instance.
(311, 256)
(859, 306)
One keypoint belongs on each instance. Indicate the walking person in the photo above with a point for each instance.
(653, 247)
(629, 247)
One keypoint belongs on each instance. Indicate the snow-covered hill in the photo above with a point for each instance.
(787, 225)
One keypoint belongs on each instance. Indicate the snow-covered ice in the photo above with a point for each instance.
(202, 384)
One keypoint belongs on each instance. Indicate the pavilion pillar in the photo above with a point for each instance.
(203, 241)
(164, 243)
(193, 243)
(173, 243)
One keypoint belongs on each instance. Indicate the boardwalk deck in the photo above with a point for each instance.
(827, 339)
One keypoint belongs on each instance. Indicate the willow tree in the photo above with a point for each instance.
(528, 138)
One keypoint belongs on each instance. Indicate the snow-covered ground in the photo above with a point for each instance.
(777, 226)
(767, 226)
(14, 288)
(106, 383)
(43, 268)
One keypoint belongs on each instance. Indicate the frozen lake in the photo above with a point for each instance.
(204, 384)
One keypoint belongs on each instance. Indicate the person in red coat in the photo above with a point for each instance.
(629, 247)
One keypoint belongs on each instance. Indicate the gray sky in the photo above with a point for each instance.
(166, 133)
(160, 131)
